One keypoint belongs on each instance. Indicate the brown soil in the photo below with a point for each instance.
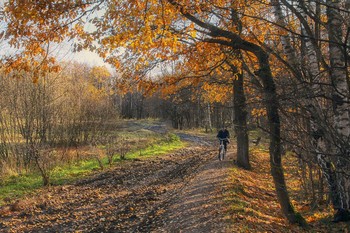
(180, 192)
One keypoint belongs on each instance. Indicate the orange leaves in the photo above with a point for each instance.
(79, 29)
(257, 112)
(147, 87)
(216, 93)
(35, 67)
(18, 64)
(254, 203)
(30, 22)
(135, 36)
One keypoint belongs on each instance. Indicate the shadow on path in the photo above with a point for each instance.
(201, 206)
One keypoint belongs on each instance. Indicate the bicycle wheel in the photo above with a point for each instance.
(221, 153)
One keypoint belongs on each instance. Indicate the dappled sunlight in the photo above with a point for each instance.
(201, 205)
(254, 202)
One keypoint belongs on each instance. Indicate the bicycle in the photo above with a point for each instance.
(222, 151)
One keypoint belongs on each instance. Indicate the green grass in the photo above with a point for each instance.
(16, 186)
(68, 173)
(20, 185)
(159, 148)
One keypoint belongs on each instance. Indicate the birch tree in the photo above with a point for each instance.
(329, 130)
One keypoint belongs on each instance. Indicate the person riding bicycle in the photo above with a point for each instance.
(224, 135)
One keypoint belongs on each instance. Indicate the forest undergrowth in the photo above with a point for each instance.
(254, 205)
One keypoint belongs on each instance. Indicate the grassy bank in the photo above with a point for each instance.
(19, 185)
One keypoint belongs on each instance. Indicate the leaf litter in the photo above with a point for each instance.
(186, 191)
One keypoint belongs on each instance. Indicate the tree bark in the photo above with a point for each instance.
(341, 106)
(275, 138)
(208, 125)
(325, 139)
(241, 130)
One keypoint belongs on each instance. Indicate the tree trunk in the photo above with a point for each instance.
(240, 117)
(341, 106)
(208, 126)
(320, 142)
(312, 67)
(275, 138)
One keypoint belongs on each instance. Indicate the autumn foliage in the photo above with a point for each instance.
(292, 59)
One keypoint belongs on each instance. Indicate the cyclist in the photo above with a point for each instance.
(224, 135)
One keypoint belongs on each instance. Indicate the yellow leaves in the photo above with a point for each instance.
(317, 216)
(192, 30)
(79, 29)
(94, 94)
(216, 93)
(292, 110)
(116, 64)
(160, 212)
(100, 72)
(256, 112)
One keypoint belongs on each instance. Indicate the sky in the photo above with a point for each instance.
(63, 52)
(90, 58)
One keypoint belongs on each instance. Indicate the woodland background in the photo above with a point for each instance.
(278, 66)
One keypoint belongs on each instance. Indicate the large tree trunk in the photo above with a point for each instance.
(341, 106)
(275, 138)
(241, 130)
(285, 39)
(311, 65)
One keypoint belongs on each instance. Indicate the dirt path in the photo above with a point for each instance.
(200, 207)
(179, 192)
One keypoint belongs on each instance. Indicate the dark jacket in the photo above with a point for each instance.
(223, 134)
